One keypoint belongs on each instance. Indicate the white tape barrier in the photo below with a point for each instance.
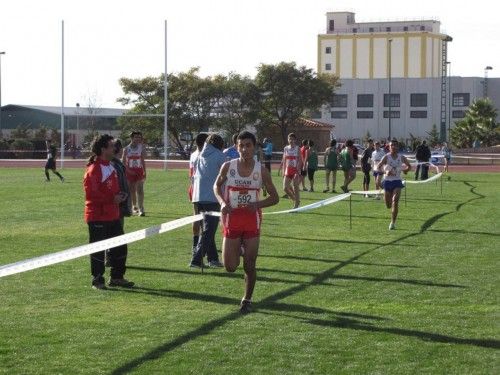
(76, 252)
(433, 178)
(369, 192)
(312, 206)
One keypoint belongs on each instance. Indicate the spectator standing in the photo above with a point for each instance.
(206, 169)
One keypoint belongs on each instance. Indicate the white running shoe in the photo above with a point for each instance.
(392, 226)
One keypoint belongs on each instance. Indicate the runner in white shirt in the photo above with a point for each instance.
(393, 164)
(377, 156)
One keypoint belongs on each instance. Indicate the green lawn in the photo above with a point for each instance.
(329, 299)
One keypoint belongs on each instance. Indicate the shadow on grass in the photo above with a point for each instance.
(346, 321)
(459, 231)
(330, 240)
(323, 260)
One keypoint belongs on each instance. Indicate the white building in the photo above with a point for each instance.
(394, 78)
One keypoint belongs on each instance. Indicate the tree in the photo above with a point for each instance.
(479, 124)
(191, 105)
(21, 132)
(433, 136)
(239, 101)
(41, 133)
(287, 91)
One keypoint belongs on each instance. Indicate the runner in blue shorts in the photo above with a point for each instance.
(392, 165)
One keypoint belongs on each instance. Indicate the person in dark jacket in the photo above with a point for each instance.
(423, 155)
(102, 212)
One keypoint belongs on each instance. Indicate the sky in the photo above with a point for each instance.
(109, 39)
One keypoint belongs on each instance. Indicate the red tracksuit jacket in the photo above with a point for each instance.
(100, 187)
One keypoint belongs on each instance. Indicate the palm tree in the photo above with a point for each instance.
(479, 123)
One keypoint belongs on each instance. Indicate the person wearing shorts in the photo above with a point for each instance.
(447, 156)
(348, 164)
(393, 164)
(312, 164)
(292, 165)
(51, 161)
(366, 166)
(304, 153)
(237, 189)
(377, 155)
(200, 142)
(133, 159)
(331, 165)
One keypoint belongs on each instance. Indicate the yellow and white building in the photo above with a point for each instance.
(371, 50)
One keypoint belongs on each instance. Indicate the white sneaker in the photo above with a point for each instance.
(367, 196)
(392, 226)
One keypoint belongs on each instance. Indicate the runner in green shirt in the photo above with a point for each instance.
(312, 164)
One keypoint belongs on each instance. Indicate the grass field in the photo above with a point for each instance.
(329, 300)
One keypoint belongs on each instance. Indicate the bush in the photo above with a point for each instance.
(23, 149)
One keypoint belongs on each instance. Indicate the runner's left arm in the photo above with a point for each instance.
(219, 183)
(273, 197)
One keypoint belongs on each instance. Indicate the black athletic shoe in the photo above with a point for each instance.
(121, 283)
(245, 306)
(99, 286)
(197, 265)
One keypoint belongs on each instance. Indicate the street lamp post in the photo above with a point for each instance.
(77, 139)
(390, 88)
(485, 82)
(1, 53)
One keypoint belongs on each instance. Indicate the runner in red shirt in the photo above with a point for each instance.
(292, 164)
(133, 159)
(237, 188)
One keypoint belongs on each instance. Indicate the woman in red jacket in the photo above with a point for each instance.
(102, 212)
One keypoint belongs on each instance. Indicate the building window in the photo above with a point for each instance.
(461, 100)
(387, 29)
(338, 114)
(458, 114)
(371, 29)
(365, 114)
(418, 100)
(328, 66)
(405, 28)
(391, 100)
(339, 100)
(355, 30)
(331, 25)
(365, 100)
(328, 50)
(418, 114)
(394, 114)
(422, 28)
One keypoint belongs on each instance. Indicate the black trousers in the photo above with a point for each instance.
(102, 230)
(425, 171)
(267, 162)
(206, 243)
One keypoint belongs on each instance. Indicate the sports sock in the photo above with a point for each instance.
(195, 240)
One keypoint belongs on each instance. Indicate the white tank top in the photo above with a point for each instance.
(240, 191)
(394, 165)
(291, 159)
(134, 157)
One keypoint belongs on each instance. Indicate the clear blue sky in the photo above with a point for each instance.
(106, 40)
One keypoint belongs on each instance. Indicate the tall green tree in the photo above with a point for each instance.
(433, 136)
(288, 91)
(191, 103)
(239, 102)
(479, 124)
